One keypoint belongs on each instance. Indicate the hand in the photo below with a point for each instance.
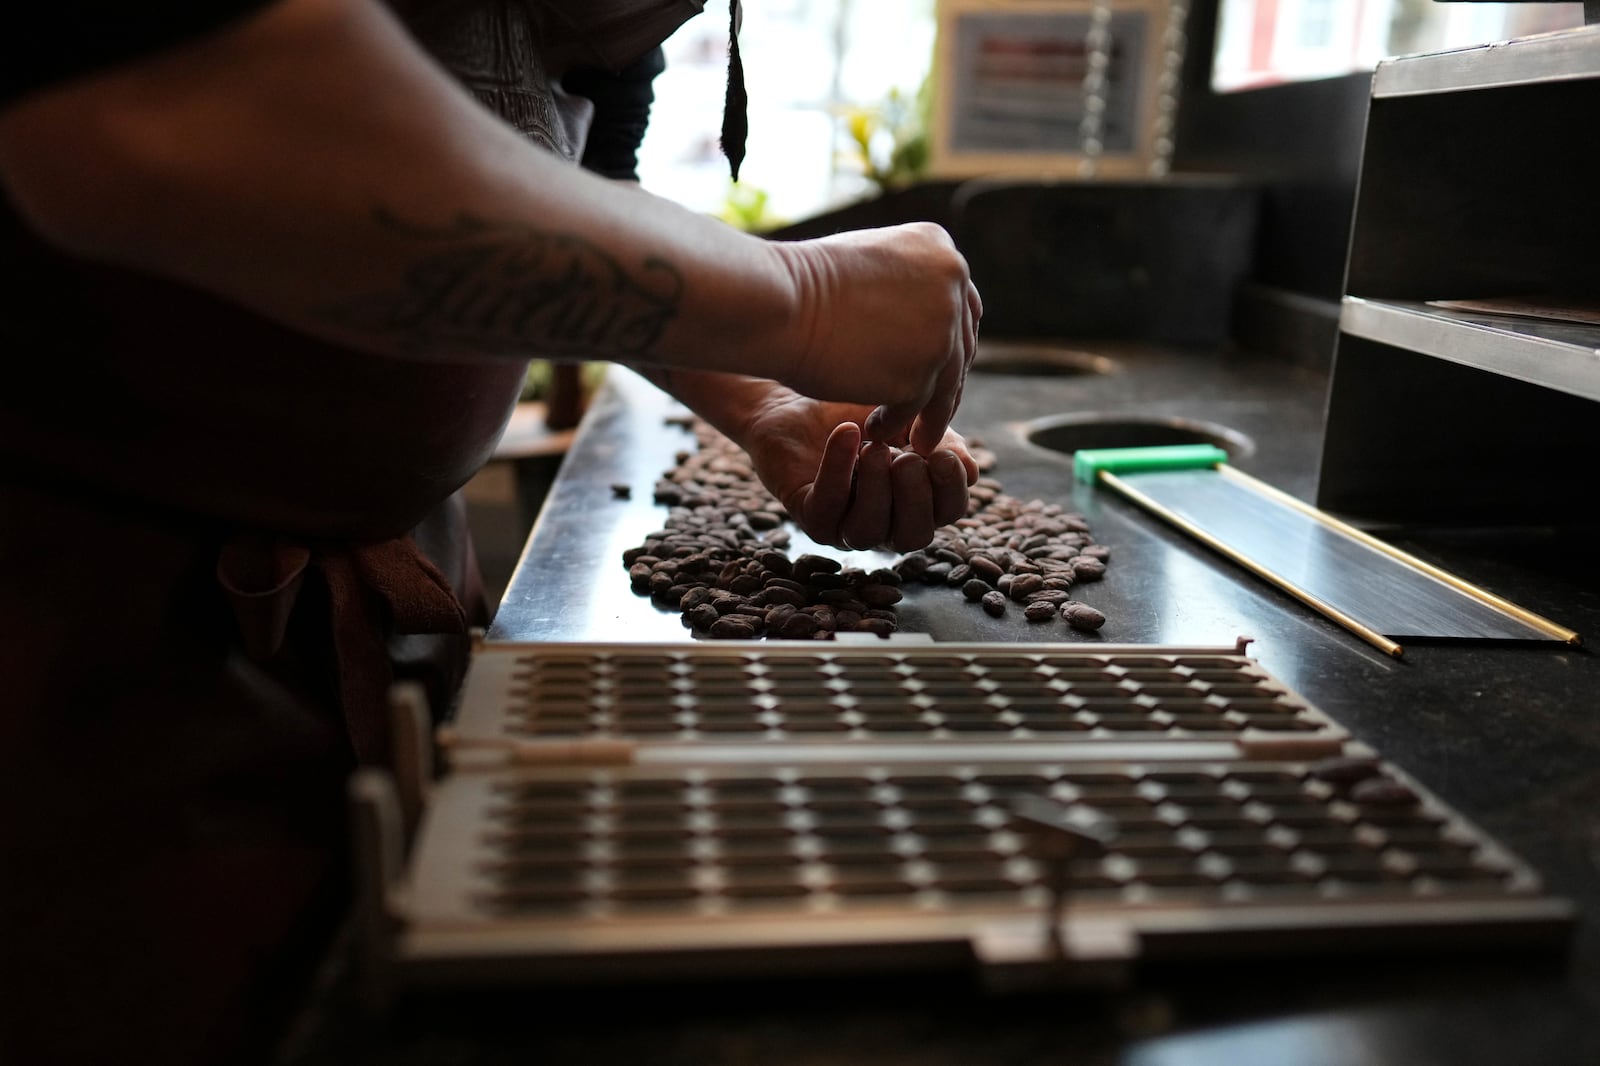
(887, 317)
(810, 454)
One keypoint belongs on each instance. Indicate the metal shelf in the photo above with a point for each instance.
(1567, 55)
(1555, 355)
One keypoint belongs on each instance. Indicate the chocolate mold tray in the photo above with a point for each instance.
(878, 692)
(590, 855)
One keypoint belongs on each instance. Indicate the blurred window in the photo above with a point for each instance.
(1267, 42)
(807, 64)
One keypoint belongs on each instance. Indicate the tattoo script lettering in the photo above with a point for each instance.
(503, 288)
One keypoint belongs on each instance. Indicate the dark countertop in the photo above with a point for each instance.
(1508, 735)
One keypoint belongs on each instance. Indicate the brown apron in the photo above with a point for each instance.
(220, 541)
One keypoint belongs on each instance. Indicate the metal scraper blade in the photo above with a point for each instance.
(1335, 568)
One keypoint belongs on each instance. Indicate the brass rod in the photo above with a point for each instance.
(1316, 603)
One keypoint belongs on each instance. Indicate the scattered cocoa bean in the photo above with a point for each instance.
(883, 627)
(809, 564)
(775, 562)
(1039, 611)
(1023, 586)
(702, 617)
(733, 627)
(875, 595)
(985, 567)
(913, 566)
(1081, 616)
(1088, 568)
(798, 626)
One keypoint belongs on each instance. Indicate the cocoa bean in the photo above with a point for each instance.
(703, 616)
(809, 564)
(798, 626)
(775, 562)
(876, 595)
(1088, 568)
(1082, 617)
(733, 627)
(913, 566)
(1039, 611)
(985, 568)
(1023, 586)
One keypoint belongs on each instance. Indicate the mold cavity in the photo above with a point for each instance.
(1033, 359)
(1071, 433)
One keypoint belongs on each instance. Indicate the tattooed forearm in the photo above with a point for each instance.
(504, 288)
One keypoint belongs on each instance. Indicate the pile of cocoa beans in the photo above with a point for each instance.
(722, 559)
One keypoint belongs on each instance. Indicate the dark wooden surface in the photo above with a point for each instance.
(1508, 734)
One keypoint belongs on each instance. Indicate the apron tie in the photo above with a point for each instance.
(736, 104)
(373, 590)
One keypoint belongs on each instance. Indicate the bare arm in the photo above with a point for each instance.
(313, 164)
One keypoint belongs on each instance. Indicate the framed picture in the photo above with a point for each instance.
(1054, 88)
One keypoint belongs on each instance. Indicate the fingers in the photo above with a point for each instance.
(928, 430)
(975, 309)
(866, 495)
(866, 523)
(913, 503)
(934, 418)
(900, 500)
(956, 444)
(975, 313)
(947, 474)
(891, 424)
(820, 505)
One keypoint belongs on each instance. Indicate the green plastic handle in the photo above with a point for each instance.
(1090, 463)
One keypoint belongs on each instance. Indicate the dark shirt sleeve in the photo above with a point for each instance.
(621, 113)
(52, 41)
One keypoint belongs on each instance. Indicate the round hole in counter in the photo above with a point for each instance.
(1074, 432)
(1037, 359)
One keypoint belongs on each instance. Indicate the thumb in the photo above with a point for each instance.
(891, 424)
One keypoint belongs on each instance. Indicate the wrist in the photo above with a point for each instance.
(791, 336)
(734, 404)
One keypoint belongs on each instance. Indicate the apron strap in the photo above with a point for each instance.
(736, 105)
(373, 590)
